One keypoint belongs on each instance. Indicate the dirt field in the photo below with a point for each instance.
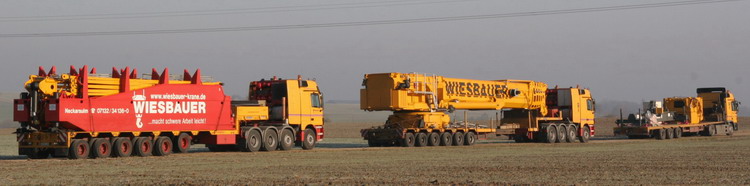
(690, 160)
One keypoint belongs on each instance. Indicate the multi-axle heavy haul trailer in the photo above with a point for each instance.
(421, 103)
(712, 112)
(83, 114)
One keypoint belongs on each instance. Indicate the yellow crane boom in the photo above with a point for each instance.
(420, 101)
(420, 92)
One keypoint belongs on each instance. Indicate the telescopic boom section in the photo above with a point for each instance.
(421, 92)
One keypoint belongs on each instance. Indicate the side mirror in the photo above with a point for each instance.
(321, 101)
(404, 85)
(593, 104)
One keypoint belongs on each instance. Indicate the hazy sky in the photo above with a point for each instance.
(621, 55)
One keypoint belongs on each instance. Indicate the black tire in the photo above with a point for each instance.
(182, 143)
(670, 133)
(409, 140)
(101, 148)
(420, 140)
(458, 138)
(163, 146)
(586, 135)
(729, 129)
(446, 139)
(122, 147)
(143, 146)
(79, 149)
(571, 134)
(709, 130)
(677, 132)
(562, 133)
(470, 138)
(286, 141)
(310, 140)
(550, 134)
(433, 139)
(735, 126)
(270, 140)
(660, 134)
(253, 141)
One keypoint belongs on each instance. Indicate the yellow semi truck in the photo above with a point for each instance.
(712, 112)
(421, 103)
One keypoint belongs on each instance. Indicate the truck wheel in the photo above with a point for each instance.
(660, 134)
(678, 132)
(586, 135)
(572, 133)
(470, 138)
(287, 140)
(562, 133)
(162, 146)
(446, 139)
(433, 139)
(79, 149)
(143, 146)
(181, 143)
(309, 142)
(102, 148)
(408, 140)
(709, 130)
(729, 129)
(253, 141)
(550, 134)
(458, 138)
(122, 147)
(270, 141)
(420, 139)
(670, 133)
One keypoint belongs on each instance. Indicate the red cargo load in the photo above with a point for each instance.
(164, 107)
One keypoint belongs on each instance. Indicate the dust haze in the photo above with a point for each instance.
(624, 55)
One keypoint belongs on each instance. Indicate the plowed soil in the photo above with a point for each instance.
(346, 161)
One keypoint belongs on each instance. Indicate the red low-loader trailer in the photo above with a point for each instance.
(82, 114)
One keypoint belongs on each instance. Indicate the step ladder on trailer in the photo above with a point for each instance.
(426, 87)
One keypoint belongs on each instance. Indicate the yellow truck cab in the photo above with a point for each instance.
(712, 112)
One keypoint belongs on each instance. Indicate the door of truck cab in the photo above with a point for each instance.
(316, 109)
(311, 103)
(731, 106)
(587, 107)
